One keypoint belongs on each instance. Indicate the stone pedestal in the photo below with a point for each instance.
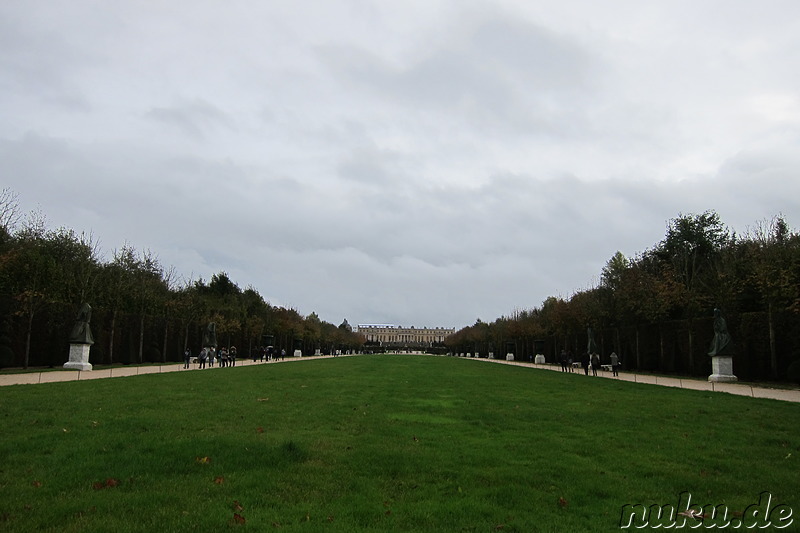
(318, 352)
(78, 357)
(722, 369)
(491, 355)
(539, 359)
(298, 353)
(509, 357)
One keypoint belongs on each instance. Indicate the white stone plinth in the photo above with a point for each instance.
(539, 359)
(298, 353)
(509, 357)
(722, 369)
(78, 357)
(317, 352)
(491, 355)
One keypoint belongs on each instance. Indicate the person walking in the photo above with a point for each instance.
(614, 364)
(187, 357)
(563, 360)
(595, 363)
(232, 356)
(202, 357)
(585, 362)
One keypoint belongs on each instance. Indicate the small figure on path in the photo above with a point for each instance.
(222, 357)
(614, 363)
(202, 357)
(585, 362)
(563, 360)
(187, 357)
(595, 363)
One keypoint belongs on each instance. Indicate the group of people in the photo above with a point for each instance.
(588, 362)
(268, 353)
(209, 355)
(227, 356)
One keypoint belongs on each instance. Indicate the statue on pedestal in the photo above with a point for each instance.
(81, 332)
(81, 340)
(721, 351)
(721, 345)
(210, 336)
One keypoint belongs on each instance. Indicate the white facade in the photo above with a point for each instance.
(387, 334)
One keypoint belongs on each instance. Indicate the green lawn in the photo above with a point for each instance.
(380, 443)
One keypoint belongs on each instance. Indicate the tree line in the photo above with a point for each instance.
(655, 310)
(141, 311)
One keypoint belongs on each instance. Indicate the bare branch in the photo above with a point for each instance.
(9, 210)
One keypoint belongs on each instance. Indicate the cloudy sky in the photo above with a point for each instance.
(419, 163)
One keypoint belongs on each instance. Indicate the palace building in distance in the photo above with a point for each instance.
(390, 335)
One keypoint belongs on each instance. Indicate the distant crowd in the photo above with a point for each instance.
(227, 356)
(588, 362)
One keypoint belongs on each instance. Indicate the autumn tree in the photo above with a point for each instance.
(188, 306)
(42, 266)
(9, 213)
(30, 275)
(116, 289)
(774, 258)
(150, 288)
(692, 247)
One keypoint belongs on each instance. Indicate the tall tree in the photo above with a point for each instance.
(9, 213)
(692, 245)
(45, 266)
(774, 254)
(149, 289)
(30, 273)
(188, 305)
(116, 289)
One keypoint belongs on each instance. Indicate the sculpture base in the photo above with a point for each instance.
(78, 357)
(298, 353)
(539, 359)
(722, 369)
(509, 357)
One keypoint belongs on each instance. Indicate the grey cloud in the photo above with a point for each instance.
(424, 174)
(499, 72)
(195, 118)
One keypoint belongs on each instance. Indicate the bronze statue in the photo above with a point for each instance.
(81, 332)
(210, 336)
(721, 345)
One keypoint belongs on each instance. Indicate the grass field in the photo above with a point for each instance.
(380, 443)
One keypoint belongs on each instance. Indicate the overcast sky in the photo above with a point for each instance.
(421, 163)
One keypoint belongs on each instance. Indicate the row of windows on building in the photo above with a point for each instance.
(390, 334)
